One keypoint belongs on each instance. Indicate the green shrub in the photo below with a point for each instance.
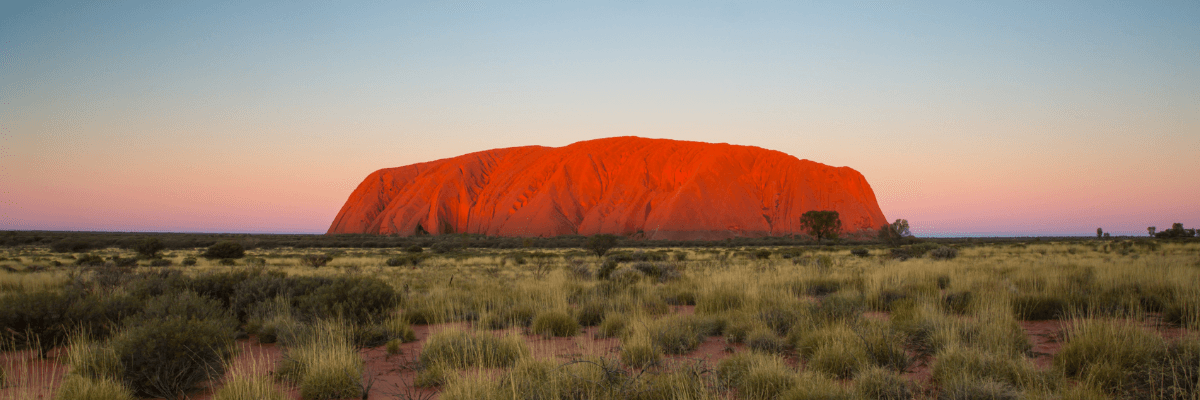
(188, 261)
(444, 247)
(316, 260)
(225, 250)
(458, 349)
(879, 383)
(35, 318)
(75, 387)
(943, 253)
(358, 299)
(71, 246)
(149, 247)
(555, 323)
(167, 357)
(416, 248)
(393, 346)
(90, 260)
(860, 252)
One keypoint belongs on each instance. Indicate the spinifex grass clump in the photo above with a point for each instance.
(968, 369)
(325, 364)
(1109, 354)
(555, 323)
(459, 349)
(76, 387)
(756, 376)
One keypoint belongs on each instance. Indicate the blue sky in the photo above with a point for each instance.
(968, 118)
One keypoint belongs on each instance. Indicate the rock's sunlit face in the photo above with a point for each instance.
(665, 189)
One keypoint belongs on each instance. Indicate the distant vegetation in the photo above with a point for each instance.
(856, 320)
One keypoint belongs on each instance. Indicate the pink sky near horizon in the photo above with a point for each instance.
(966, 119)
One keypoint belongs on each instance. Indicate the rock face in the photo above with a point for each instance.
(654, 188)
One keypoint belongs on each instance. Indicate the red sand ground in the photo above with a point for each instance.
(391, 376)
(665, 189)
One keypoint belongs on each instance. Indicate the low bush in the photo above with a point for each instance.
(316, 260)
(90, 260)
(188, 261)
(324, 364)
(677, 334)
(943, 253)
(169, 356)
(161, 262)
(860, 252)
(555, 323)
(957, 302)
(225, 250)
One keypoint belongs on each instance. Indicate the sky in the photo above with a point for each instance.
(968, 118)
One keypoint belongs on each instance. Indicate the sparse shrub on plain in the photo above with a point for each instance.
(316, 260)
(149, 247)
(444, 247)
(90, 260)
(225, 250)
(943, 253)
(167, 357)
(607, 269)
(860, 252)
(188, 261)
(591, 313)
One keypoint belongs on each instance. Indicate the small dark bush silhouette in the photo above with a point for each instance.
(414, 249)
(359, 300)
(860, 252)
(600, 244)
(124, 262)
(90, 260)
(444, 247)
(149, 247)
(189, 261)
(943, 253)
(225, 250)
(71, 246)
(161, 262)
(1039, 307)
(762, 254)
(316, 260)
